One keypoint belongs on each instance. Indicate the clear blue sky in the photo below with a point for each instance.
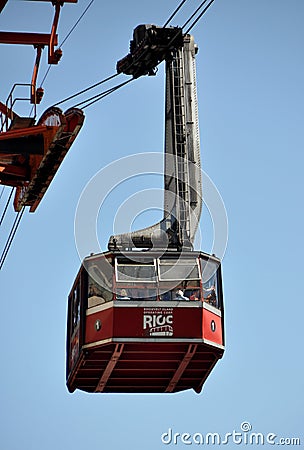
(250, 73)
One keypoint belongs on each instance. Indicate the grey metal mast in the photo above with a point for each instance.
(182, 177)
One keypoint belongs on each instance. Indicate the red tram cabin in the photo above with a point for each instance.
(143, 322)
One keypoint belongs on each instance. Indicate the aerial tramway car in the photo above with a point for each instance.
(147, 316)
(140, 322)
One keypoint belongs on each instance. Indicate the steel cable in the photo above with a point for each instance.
(6, 206)
(109, 91)
(98, 97)
(195, 12)
(174, 12)
(67, 36)
(86, 89)
(199, 17)
(11, 236)
(2, 190)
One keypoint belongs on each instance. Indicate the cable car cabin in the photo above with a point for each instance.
(144, 322)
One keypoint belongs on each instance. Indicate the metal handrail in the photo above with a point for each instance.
(7, 118)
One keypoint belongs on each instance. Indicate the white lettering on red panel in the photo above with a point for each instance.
(158, 321)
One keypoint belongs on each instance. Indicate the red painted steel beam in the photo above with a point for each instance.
(53, 56)
(181, 368)
(4, 2)
(211, 366)
(73, 374)
(56, 1)
(23, 132)
(7, 111)
(12, 37)
(34, 76)
(15, 184)
(17, 171)
(110, 366)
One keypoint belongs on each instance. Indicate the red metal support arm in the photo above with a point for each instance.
(11, 37)
(35, 73)
(17, 171)
(110, 367)
(182, 367)
(39, 40)
(4, 2)
(57, 1)
(26, 132)
(53, 56)
(7, 111)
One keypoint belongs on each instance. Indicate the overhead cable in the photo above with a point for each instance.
(174, 12)
(67, 36)
(190, 18)
(11, 236)
(2, 190)
(6, 206)
(101, 95)
(86, 89)
(199, 17)
(195, 12)
(109, 91)
(76, 23)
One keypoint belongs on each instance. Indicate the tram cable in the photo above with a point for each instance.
(6, 206)
(86, 89)
(91, 101)
(191, 17)
(2, 190)
(185, 24)
(111, 76)
(174, 13)
(67, 36)
(195, 12)
(100, 96)
(199, 16)
(76, 23)
(11, 236)
(61, 44)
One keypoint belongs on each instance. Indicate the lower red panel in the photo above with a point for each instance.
(138, 322)
(99, 326)
(212, 327)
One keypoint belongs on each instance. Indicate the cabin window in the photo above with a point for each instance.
(75, 307)
(179, 280)
(180, 293)
(135, 281)
(210, 282)
(136, 273)
(178, 270)
(141, 293)
(99, 283)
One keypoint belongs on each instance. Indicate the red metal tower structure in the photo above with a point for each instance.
(31, 151)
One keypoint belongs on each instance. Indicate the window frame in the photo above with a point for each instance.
(134, 280)
(161, 279)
